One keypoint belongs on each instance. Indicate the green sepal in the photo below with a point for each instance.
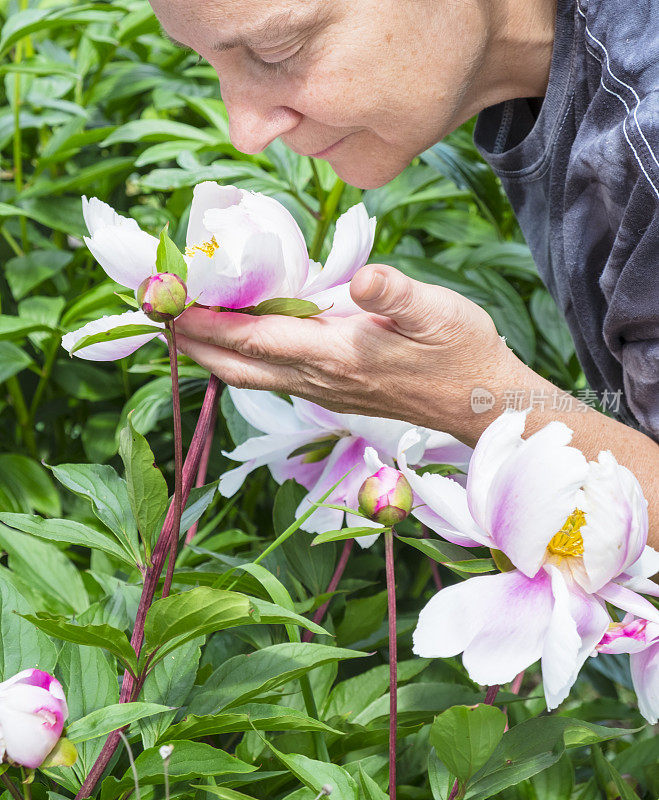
(169, 258)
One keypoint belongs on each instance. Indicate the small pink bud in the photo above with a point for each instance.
(162, 297)
(386, 497)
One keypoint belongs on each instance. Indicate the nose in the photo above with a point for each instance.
(254, 122)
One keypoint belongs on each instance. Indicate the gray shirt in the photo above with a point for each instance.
(583, 178)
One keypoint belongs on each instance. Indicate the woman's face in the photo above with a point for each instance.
(365, 84)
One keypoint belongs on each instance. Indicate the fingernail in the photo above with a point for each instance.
(375, 287)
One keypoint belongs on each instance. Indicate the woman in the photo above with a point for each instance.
(368, 85)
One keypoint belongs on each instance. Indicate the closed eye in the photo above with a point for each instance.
(276, 63)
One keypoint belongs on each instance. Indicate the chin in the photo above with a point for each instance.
(366, 173)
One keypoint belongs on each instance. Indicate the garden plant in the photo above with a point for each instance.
(208, 591)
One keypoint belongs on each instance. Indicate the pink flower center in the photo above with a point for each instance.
(618, 630)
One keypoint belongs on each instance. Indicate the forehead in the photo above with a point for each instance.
(230, 18)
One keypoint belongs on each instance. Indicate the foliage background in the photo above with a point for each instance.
(95, 101)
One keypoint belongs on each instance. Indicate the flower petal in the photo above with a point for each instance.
(351, 247)
(208, 195)
(256, 452)
(578, 622)
(277, 219)
(98, 214)
(344, 460)
(335, 302)
(645, 677)
(535, 490)
(444, 507)
(498, 621)
(616, 526)
(126, 253)
(265, 411)
(627, 600)
(31, 721)
(118, 348)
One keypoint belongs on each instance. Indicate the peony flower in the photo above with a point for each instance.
(640, 638)
(574, 531)
(317, 448)
(32, 714)
(242, 248)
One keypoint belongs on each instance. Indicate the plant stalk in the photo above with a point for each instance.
(203, 469)
(178, 457)
(434, 568)
(393, 659)
(11, 787)
(129, 689)
(490, 697)
(338, 574)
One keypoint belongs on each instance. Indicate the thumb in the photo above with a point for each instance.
(418, 309)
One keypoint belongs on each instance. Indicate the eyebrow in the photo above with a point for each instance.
(276, 26)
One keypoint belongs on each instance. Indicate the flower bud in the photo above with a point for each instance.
(386, 497)
(32, 714)
(162, 297)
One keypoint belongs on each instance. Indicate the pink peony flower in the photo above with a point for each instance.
(32, 714)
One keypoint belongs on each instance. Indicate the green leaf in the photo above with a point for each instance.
(158, 130)
(169, 258)
(247, 676)
(611, 778)
(68, 531)
(346, 533)
(108, 495)
(12, 360)
(531, 747)
(21, 645)
(111, 639)
(46, 571)
(261, 716)
(169, 683)
(23, 273)
(147, 489)
(370, 789)
(316, 774)
(111, 718)
(288, 307)
(464, 737)
(437, 549)
(189, 760)
(17, 328)
(120, 332)
(28, 484)
(178, 618)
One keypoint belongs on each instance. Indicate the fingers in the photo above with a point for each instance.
(418, 309)
(239, 370)
(276, 339)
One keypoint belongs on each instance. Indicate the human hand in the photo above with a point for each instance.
(416, 354)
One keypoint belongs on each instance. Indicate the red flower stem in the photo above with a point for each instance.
(178, 457)
(393, 659)
(338, 574)
(11, 787)
(434, 569)
(130, 691)
(490, 697)
(203, 468)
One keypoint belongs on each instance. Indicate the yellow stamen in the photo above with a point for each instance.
(568, 541)
(207, 248)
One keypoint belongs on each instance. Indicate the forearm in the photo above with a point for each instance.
(593, 431)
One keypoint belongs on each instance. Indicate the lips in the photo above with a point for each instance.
(320, 153)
